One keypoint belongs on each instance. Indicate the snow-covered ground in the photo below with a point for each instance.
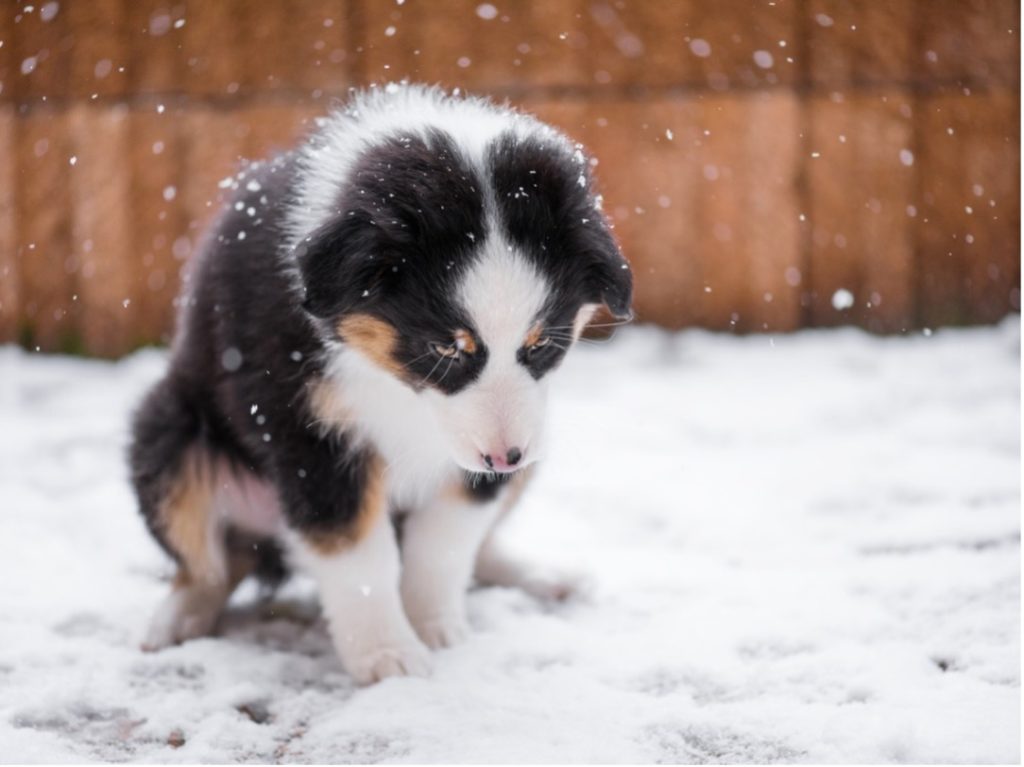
(803, 548)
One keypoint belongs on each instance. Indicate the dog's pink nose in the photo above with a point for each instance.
(498, 462)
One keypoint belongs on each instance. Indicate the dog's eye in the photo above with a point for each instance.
(451, 351)
(463, 344)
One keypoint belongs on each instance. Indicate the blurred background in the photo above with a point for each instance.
(768, 165)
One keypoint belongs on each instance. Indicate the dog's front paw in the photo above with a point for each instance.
(442, 631)
(408, 659)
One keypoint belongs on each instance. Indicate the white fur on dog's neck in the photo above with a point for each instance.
(392, 418)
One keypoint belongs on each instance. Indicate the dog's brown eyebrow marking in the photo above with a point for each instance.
(374, 337)
(464, 341)
(534, 335)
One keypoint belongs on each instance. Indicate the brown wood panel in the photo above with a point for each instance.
(270, 129)
(100, 56)
(10, 280)
(749, 225)
(861, 174)
(641, 42)
(914, 210)
(155, 41)
(675, 202)
(731, 43)
(160, 238)
(7, 67)
(100, 188)
(40, 51)
(214, 149)
(742, 41)
(851, 42)
(977, 39)
(629, 143)
(968, 224)
(295, 44)
(450, 42)
(213, 46)
(47, 265)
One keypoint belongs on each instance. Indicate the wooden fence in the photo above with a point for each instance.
(768, 165)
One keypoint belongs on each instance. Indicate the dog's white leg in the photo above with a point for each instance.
(359, 591)
(439, 546)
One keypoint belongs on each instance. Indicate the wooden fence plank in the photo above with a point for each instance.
(10, 279)
(101, 205)
(272, 129)
(7, 64)
(630, 144)
(700, 267)
(100, 56)
(856, 43)
(214, 150)
(47, 265)
(965, 39)
(969, 212)
(690, 42)
(459, 43)
(159, 238)
(861, 180)
(213, 47)
(40, 44)
(749, 238)
(295, 45)
(155, 38)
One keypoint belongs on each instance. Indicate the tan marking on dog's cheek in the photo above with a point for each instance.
(327, 406)
(583, 316)
(372, 504)
(186, 516)
(374, 338)
(534, 335)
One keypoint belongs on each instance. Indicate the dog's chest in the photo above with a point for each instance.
(394, 422)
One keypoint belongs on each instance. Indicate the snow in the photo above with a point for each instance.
(799, 548)
(842, 299)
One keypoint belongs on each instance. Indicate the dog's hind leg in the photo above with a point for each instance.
(175, 477)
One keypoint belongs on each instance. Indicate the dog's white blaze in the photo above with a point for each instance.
(503, 294)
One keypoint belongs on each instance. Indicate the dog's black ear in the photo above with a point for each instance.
(337, 263)
(609, 278)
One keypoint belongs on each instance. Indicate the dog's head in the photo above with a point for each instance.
(469, 284)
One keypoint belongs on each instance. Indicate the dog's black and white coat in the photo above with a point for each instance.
(368, 332)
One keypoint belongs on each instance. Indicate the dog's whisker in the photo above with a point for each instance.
(427, 376)
(415, 360)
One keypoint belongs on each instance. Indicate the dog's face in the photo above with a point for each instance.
(468, 284)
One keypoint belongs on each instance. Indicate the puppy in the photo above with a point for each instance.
(367, 335)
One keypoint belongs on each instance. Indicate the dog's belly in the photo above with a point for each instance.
(249, 503)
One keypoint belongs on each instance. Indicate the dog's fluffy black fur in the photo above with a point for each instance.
(361, 254)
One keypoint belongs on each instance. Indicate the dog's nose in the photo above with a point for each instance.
(500, 463)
